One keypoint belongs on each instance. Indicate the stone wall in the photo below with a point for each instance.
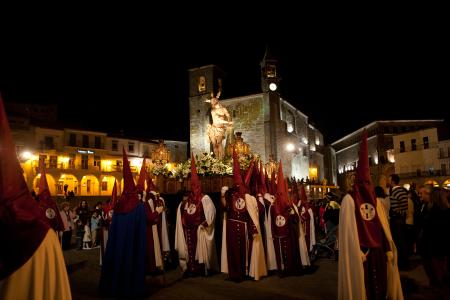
(248, 115)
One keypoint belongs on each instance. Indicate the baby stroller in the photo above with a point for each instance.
(326, 247)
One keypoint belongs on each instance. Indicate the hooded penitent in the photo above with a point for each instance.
(31, 260)
(364, 243)
(195, 182)
(47, 204)
(142, 177)
(369, 226)
(237, 177)
(123, 268)
(281, 204)
(129, 198)
(22, 225)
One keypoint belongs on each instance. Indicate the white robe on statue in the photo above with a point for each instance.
(350, 266)
(206, 247)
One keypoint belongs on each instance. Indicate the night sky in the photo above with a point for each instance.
(341, 76)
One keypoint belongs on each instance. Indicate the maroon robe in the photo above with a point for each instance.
(374, 242)
(371, 235)
(239, 235)
(306, 223)
(192, 216)
(285, 238)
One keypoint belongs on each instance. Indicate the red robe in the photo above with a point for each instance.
(285, 238)
(239, 236)
(152, 219)
(306, 223)
(192, 216)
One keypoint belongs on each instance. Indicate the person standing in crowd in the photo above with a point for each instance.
(398, 198)
(434, 240)
(95, 227)
(31, 260)
(383, 198)
(194, 233)
(123, 266)
(367, 267)
(67, 217)
(283, 228)
(242, 245)
(83, 212)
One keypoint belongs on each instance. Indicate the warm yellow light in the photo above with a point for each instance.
(136, 162)
(169, 166)
(63, 159)
(312, 173)
(106, 162)
(290, 147)
(26, 154)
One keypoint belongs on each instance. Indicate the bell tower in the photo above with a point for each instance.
(269, 72)
(202, 82)
(273, 126)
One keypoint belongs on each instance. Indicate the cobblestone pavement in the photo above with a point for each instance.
(84, 271)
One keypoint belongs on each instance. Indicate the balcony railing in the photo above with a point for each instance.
(66, 166)
(428, 173)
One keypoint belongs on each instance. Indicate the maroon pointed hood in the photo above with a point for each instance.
(273, 184)
(142, 177)
(114, 195)
(196, 188)
(237, 177)
(129, 198)
(254, 181)
(262, 179)
(303, 197)
(281, 199)
(295, 194)
(150, 187)
(363, 193)
(22, 226)
(48, 205)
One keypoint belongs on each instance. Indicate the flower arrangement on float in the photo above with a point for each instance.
(207, 165)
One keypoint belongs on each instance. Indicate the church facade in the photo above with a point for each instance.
(269, 124)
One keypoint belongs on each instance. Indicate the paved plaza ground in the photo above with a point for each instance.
(84, 273)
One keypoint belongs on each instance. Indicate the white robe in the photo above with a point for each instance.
(258, 266)
(304, 254)
(350, 266)
(312, 230)
(206, 247)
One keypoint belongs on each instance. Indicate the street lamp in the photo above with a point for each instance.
(26, 155)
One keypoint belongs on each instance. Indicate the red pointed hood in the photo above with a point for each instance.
(142, 177)
(150, 187)
(262, 179)
(273, 184)
(195, 181)
(237, 177)
(129, 198)
(369, 226)
(22, 224)
(248, 179)
(48, 205)
(254, 181)
(114, 195)
(303, 196)
(281, 199)
(363, 168)
(295, 195)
